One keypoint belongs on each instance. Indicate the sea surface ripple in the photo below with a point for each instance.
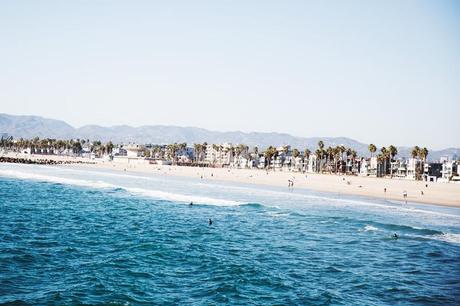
(68, 243)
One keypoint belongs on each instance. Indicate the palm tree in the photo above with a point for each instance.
(393, 152)
(384, 157)
(372, 149)
(295, 153)
(329, 156)
(109, 146)
(269, 154)
(415, 152)
(198, 147)
(354, 154)
(423, 153)
(321, 144)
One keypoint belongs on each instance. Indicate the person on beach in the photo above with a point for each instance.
(405, 194)
(385, 190)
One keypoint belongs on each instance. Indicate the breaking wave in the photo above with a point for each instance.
(157, 194)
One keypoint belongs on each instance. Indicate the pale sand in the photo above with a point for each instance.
(447, 194)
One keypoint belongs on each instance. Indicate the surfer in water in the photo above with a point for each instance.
(191, 203)
(395, 236)
(210, 221)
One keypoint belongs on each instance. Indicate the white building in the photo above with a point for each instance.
(134, 150)
(413, 167)
(219, 154)
(312, 164)
(449, 170)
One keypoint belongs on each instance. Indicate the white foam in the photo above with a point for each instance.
(157, 194)
(182, 197)
(370, 228)
(448, 237)
(393, 205)
(55, 179)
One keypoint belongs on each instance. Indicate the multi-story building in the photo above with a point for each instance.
(449, 170)
(432, 171)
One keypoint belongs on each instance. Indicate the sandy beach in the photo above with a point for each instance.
(447, 194)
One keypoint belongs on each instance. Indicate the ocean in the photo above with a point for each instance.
(78, 236)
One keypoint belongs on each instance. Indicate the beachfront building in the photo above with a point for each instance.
(449, 171)
(369, 166)
(221, 155)
(185, 155)
(134, 150)
(261, 163)
(312, 165)
(401, 170)
(119, 151)
(413, 168)
(297, 164)
(432, 171)
(364, 169)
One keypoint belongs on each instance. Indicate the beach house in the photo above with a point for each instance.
(449, 171)
(432, 171)
(414, 168)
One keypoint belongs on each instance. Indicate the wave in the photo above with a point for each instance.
(55, 179)
(157, 194)
(181, 198)
(396, 206)
(413, 232)
(252, 205)
(369, 228)
(448, 237)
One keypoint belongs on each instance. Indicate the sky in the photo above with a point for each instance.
(383, 72)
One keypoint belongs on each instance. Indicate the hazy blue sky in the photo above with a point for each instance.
(386, 72)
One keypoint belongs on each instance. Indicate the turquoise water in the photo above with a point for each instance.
(69, 236)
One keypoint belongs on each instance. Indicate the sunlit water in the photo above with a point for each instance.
(69, 236)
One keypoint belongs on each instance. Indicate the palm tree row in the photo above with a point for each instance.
(49, 145)
(332, 159)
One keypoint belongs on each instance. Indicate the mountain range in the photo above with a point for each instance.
(33, 126)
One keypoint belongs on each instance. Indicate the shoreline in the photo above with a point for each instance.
(441, 194)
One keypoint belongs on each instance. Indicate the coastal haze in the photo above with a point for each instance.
(35, 126)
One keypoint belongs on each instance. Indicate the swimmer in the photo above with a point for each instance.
(395, 236)
(210, 221)
(191, 203)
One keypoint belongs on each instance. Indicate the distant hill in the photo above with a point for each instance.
(32, 126)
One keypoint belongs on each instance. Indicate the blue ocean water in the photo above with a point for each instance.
(73, 236)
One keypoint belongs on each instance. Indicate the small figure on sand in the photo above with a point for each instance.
(405, 194)
(210, 221)
(385, 190)
(421, 192)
